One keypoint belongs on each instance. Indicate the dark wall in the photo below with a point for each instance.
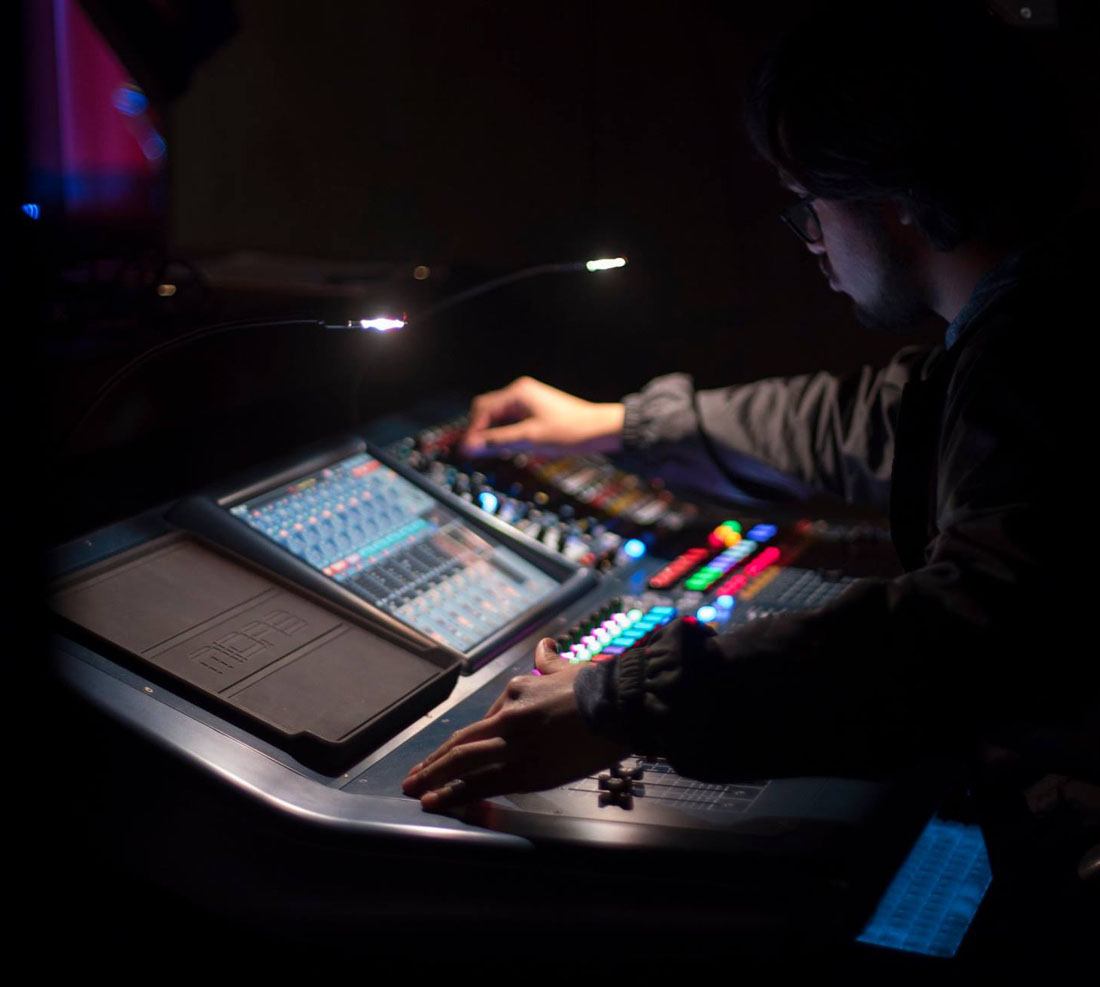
(484, 137)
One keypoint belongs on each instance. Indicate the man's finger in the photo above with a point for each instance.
(518, 436)
(485, 407)
(497, 406)
(456, 763)
(480, 730)
(495, 779)
(547, 659)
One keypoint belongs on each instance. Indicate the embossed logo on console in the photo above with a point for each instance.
(234, 649)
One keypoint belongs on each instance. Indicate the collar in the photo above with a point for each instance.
(989, 286)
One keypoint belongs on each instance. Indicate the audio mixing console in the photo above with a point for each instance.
(300, 632)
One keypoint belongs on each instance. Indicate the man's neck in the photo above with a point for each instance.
(952, 275)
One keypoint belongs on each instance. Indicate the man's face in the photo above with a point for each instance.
(864, 258)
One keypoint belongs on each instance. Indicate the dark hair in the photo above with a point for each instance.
(931, 103)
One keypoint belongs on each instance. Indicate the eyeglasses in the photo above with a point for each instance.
(801, 218)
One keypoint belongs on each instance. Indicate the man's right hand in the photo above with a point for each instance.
(529, 416)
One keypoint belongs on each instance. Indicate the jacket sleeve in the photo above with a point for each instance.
(780, 438)
(971, 644)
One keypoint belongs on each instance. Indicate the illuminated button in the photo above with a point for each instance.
(634, 614)
(762, 532)
(488, 501)
(615, 649)
(706, 613)
(634, 547)
(663, 611)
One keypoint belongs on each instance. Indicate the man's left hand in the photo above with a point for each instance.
(532, 738)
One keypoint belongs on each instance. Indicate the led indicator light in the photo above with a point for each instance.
(706, 613)
(634, 547)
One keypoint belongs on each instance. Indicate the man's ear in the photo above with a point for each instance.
(903, 212)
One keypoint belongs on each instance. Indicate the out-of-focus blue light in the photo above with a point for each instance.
(762, 532)
(725, 601)
(488, 501)
(154, 148)
(634, 547)
(129, 100)
(31, 209)
(706, 613)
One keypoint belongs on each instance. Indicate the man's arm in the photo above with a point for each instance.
(778, 438)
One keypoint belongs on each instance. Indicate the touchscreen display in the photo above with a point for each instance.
(386, 540)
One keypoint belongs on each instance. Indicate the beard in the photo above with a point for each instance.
(899, 302)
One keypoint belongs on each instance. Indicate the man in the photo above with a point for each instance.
(932, 173)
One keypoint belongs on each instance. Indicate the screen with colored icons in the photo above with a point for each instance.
(388, 541)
